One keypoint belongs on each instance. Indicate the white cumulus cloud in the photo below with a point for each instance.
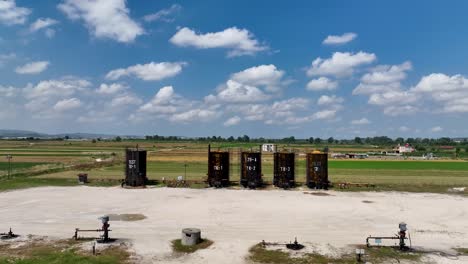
(387, 73)
(9, 91)
(232, 121)
(383, 86)
(383, 78)
(67, 104)
(11, 14)
(153, 71)
(322, 83)
(362, 121)
(341, 64)
(4, 58)
(329, 100)
(436, 129)
(195, 115)
(32, 67)
(262, 75)
(42, 23)
(104, 19)
(398, 110)
(325, 114)
(238, 41)
(342, 39)
(165, 15)
(450, 92)
(113, 88)
(235, 92)
(393, 97)
(165, 101)
(56, 88)
(125, 99)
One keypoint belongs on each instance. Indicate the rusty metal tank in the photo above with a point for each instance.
(251, 170)
(218, 168)
(317, 170)
(135, 167)
(284, 169)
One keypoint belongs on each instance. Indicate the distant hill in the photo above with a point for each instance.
(13, 133)
(19, 133)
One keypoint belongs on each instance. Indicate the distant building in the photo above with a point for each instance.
(356, 156)
(407, 148)
(447, 147)
(349, 156)
(268, 148)
(338, 156)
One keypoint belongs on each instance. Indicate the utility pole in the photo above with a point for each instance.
(9, 157)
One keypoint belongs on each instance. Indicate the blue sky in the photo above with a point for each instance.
(203, 68)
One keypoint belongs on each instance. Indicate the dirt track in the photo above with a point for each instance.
(237, 219)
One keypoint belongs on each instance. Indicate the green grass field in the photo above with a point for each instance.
(19, 165)
(434, 176)
(167, 159)
(398, 165)
(59, 252)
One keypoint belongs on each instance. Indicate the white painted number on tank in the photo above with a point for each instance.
(251, 168)
(285, 168)
(249, 159)
(218, 168)
(132, 164)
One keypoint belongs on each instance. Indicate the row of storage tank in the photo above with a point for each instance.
(284, 165)
(284, 173)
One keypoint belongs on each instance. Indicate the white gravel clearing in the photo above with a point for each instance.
(237, 219)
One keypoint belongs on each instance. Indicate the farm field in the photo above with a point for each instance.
(58, 162)
(19, 165)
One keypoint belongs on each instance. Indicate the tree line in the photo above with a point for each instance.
(379, 140)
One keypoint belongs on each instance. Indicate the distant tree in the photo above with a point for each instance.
(245, 138)
(317, 141)
(93, 141)
(382, 140)
(118, 139)
(67, 137)
(330, 140)
(231, 139)
(311, 140)
(357, 140)
(457, 152)
(420, 148)
(400, 140)
(444, 141)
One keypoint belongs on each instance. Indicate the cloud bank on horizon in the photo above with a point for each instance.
(167, 68)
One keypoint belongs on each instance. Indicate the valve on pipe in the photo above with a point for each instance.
(104, 238)
(401, 237)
